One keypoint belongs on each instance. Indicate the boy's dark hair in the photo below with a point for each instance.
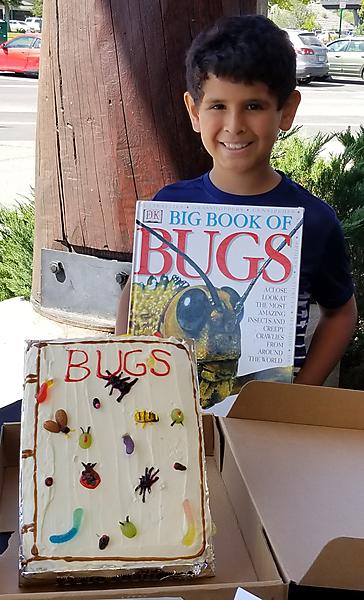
(243, 49)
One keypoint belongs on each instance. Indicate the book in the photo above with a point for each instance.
(225, 276)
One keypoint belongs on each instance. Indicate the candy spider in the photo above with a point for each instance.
(146, 481)
(117, 382)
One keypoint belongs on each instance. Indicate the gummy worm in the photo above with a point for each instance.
(189, 537)
(69, 535)
(43, 391)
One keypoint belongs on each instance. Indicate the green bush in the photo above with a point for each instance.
(16, 250)
(340, 181)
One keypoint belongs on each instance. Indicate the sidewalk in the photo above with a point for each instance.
(19, 322)
(17, 171)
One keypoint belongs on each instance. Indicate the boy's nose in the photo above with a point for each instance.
(234, 124)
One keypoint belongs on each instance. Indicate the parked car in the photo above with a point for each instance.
(346, 56)
(21, 54)
(311, 56)
(17, 26)
(33, 24)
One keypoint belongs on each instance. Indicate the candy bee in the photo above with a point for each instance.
(60, 423)
(144, 416)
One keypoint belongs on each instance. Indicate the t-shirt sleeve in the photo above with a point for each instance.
(333, 284)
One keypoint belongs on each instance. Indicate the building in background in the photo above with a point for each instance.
(352, 5)
(20, 13)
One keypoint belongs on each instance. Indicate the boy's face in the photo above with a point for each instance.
(239, 124)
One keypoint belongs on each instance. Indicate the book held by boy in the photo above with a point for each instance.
(227, 277)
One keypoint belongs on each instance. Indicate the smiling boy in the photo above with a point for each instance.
(241, 78)
(239, 123)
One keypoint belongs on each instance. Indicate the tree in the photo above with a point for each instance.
(112, 126)
(361, 11)
(8, 5)
(37, 9)
(298, 16)
(285, 4)
(359, 30)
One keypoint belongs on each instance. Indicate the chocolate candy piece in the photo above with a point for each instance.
(179, 467)
(103, 541)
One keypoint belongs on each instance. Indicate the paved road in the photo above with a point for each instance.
(18, 106)
(331, 106)
(326, 106)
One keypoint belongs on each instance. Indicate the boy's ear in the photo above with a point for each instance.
(289, 110)
(192, 111)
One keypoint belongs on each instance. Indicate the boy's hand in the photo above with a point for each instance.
(123, 310)
(331, 337)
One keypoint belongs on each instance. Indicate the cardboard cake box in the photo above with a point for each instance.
(300, 451)
(237, 564)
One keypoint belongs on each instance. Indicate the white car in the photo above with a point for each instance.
(17, 26)
(346, 56)
(311, 55)
(33, 24)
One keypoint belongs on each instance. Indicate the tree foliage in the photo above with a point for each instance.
(340, 181)
(285, 4)
(361, 10)
(297, 16)
(37, 8)
(360, 28)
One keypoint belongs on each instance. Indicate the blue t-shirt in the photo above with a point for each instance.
(325, 267)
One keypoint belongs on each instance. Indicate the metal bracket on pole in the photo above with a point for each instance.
(81, 290)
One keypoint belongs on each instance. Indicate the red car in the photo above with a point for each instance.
(21, 54)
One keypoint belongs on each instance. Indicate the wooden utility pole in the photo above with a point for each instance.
(112, 126)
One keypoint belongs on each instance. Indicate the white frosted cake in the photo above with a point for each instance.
(113, 477)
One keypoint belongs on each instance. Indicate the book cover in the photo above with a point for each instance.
(225, 276)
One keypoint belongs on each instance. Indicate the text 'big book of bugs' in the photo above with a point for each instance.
(227, 277)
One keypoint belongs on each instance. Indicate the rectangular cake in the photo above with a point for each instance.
(113, 477)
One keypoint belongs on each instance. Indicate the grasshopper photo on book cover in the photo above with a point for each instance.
(225, 276)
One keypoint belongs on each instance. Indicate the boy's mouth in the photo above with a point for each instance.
(235, 146)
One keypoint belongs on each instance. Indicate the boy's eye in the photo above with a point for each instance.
(217, 106)
(254, 106)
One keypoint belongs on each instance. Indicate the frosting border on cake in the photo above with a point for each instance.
(34, 378)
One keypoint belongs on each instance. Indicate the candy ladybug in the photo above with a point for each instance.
(90, 479)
